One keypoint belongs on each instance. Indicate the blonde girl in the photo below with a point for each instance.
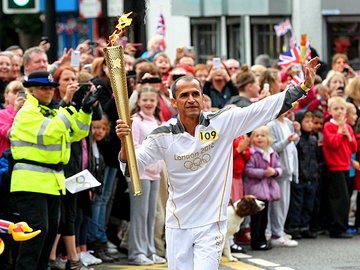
(261, 170)
(146, 117)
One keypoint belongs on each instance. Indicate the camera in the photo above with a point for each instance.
(46, 39)
(189, 49)
(345, 71)
(341, 90)
(86, 86)
(131, 74)
(151, 80)
(93, 44)
(296, 68)
(138, 47)
(216, 62)
(22, 94)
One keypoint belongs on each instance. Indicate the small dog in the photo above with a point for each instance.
(248, 205)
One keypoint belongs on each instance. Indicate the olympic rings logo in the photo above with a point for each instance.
(197, 163)
(81, 181)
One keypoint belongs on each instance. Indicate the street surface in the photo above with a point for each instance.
(323, 253)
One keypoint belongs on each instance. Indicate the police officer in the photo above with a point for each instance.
(41, 137)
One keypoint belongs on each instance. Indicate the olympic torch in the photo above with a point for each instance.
(114, 57)
(303, 49)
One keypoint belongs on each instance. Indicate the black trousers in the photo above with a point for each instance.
(340, 190)
(302, 201)
(258, 225)
(41, 212)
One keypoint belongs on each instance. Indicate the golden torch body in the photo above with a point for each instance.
(114, 57)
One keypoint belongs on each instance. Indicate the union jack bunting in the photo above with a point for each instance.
(160, 27)
(293, 56)
(292, 41)
(282, 28)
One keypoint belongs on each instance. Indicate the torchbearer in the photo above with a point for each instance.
(197, 150)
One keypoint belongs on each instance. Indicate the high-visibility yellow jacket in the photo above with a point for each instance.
(44, 135)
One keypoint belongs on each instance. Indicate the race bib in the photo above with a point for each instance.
(206, 136)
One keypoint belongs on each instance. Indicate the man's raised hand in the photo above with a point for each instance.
(310, 72)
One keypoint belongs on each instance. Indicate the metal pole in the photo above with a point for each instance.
(50, 29)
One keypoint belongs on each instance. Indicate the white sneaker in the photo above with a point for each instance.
(283, 242)
(288, 236)
(87, 259)
(157, 259)
(141, 260)
(111, 248)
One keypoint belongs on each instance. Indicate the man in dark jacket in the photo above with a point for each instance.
(303, 193)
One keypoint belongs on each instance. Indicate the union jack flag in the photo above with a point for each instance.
(292, 41)
(160, 27)
(282, 28)
(293, 56)
(300, 77)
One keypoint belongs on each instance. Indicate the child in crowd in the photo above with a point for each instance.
(303, 193)
(261, 170)
(316, 133)
(241, 153)
(357, 179)
(318, 124)
(248, 86)
(162, 62)
(100, 129)
(320, 103)
(146, 117)
(207, 105)
(351, 118)
(339, 144)
(285, 135)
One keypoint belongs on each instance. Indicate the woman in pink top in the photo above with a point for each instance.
(146, 117)
(13, 103)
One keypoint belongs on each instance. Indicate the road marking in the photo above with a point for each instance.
(241, 256)
(283, 268)
(239, 265)
(263, 262)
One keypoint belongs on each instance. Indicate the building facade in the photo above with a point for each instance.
(243, 29)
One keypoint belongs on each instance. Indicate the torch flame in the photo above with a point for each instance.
(119, 28)
(303, 40)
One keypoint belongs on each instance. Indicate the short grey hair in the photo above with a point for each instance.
(187, 79)
(28, 52)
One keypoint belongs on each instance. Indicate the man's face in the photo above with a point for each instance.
(19, 52)
(128, 62)
(232, 65)
(189, 99)
(15, 70)
(38, 61)
(43, 93)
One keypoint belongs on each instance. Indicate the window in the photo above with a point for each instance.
(234, 38)
(264, 39)
(344, 33)
(205, 38)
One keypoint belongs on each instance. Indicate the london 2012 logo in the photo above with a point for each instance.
(197, 162)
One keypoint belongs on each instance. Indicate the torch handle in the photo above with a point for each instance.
(129, 148)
